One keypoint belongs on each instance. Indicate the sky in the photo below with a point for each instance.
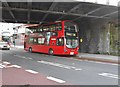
(111, 2)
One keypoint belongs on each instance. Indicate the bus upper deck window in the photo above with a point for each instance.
(59, 26)
(52, 28)
(54, 33)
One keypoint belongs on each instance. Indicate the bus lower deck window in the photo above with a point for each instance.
(60, 42)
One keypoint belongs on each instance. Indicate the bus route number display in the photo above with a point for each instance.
(71, 34)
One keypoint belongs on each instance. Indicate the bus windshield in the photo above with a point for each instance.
(71, 35)
(71, 42)
(70, 27)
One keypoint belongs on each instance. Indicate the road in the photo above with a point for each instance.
(21, 67)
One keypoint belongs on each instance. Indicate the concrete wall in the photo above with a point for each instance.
(96, 36)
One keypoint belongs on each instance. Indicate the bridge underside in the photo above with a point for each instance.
(40, 12)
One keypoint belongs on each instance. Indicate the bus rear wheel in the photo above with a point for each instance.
(51, 52)
(30, 50)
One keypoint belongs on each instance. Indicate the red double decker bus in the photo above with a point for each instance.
(58, 38)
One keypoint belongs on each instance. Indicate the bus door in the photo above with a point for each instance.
(35, 43)
(48, 34)
(47, 41)
(41, 43)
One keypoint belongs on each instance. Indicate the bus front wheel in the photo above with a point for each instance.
(51, 52)
(30, 50)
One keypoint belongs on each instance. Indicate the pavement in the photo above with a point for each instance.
(91, 57)
(99, 58)
(17, 46)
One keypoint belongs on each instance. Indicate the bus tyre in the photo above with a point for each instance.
(30, 50)
(51, 52)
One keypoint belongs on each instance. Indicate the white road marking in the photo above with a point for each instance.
(72, 59)
(95, 61)
(16, 66)
(107, 63)
(78, 69)
(53, 64)
(57, 65)
(55, 79)
(109, 75)
(6, 62)
(18, 56)
(23, 57)
(30, 58)
(1, 67)
(4, 66)
(102, 62)
(115, 64)
(73, 67)
(31, 71)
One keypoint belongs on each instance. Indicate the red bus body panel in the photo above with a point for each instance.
(58, 50)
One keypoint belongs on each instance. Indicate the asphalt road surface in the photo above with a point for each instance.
(19, 67)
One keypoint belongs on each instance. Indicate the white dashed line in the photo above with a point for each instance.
(78, 69)
(109, 75)
(58, 65)
(20, 56)
(3, 66)
(73, 67)
(30, 58)
(102, 63)
(115, 64)
(55, 79)
(6, 62)
(31, 71)
(107, 63)
(16, 66)
(23, 57)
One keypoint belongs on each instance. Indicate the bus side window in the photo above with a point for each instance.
(45, 28)
(40, 29)
(52, 27)
(35, 41)
(41, 41)
(58, 26)
(54, 34)
(30, 40)
(60, 41)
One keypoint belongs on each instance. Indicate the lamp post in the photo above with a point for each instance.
(14, 37)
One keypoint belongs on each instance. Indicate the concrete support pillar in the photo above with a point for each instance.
(96, 36)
